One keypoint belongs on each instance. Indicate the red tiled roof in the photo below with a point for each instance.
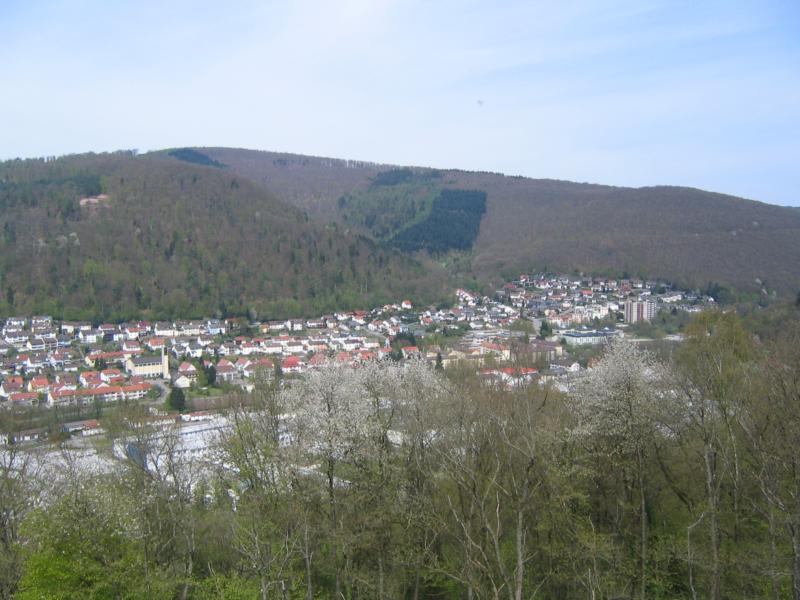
(290, 362)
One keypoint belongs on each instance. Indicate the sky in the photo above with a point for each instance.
(703, 94)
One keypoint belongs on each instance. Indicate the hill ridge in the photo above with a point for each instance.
(692, 236)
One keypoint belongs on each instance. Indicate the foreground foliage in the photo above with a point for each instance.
(651, 479)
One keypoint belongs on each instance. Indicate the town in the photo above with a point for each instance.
(532, 329)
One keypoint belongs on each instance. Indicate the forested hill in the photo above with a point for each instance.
(194, 232)
(116, 236)
(690, 236)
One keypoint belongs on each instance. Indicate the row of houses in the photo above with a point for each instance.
(105, 393)
(49, 358)
(570, 301)
(132, 353)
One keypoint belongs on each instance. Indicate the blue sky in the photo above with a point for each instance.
(705, 94)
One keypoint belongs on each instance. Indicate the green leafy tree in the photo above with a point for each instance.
(176, 399)
(18, 489)
(202, 375)
(211, 374)
(715, 366)
(545, 330)
(82, 545)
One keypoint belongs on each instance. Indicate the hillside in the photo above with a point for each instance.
(216, 231)
(117, 236)
(687, 235)
(313, 184)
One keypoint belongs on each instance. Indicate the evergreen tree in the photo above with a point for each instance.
(211, 375)
(176, 399)
(545, 330)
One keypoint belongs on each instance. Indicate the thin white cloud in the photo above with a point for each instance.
(624, 93)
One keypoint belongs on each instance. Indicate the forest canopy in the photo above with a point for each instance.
(116, 236)
(656, 478)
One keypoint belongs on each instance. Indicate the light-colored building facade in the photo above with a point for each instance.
(148, 366)
(636, 311)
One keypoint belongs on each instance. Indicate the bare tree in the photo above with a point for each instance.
(713, 376)
(772, 428)
(422, 394)
(491, 453)
(257, 467)
(163, 475)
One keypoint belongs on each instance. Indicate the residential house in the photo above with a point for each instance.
(215, 327)
(188, 370)
(261, 368)
(292, 364)
(12, 385)
(181, 381)
(39, 384)
(23, 399)
(225, 371)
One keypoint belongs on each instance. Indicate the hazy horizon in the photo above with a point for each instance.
(630, 94)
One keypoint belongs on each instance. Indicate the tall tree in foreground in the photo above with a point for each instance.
(422, 395)
(263, 530)
(715, 374)
(18, 483)
(499, 490)
(772, 427)
(617, 402)
(330, 423)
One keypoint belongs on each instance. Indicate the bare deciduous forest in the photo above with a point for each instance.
(690, 236)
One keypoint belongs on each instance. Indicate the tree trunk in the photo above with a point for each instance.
(642, 526)
(689, 555)
(773, 556)
(380, 577)
(307, 560)
(713, 524)
(189, 566)
(334, 527)
(264, 585)
(794, 526)
(796, 563)
(187, 583)
(519, 576)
